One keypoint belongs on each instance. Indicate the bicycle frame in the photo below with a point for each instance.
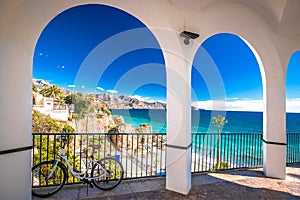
(105, 174)
(79, 175)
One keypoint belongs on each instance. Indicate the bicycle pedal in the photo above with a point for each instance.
(85, 181)
(91, 185)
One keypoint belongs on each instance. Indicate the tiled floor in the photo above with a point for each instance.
(236, 184)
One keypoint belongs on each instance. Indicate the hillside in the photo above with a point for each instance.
(126, 102)
(111, 101)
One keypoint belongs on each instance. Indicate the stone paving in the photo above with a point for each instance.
(235, 184)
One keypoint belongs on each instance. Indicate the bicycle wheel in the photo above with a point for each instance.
(44, 186)
(108, 175)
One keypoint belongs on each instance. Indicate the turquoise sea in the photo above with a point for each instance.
(246, 123)
(238, 122)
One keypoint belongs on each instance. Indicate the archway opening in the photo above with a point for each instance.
(99, 75)
(227, 105)
(293, 108)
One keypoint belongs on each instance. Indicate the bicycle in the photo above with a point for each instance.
(49, 177)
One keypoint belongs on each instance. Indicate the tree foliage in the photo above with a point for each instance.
(45, 124)
(219, 121)
(52, 91)
(81, 106)
(34, 89)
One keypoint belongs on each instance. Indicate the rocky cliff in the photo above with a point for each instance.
(126, 102)
(93, 123)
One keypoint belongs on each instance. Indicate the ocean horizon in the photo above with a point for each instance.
(237, 121)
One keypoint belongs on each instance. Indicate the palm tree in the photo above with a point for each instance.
(54, 92)
(34, 89)
(219, 121)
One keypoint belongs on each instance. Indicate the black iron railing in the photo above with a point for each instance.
(293, 148)
(144, 155)
(233, 151)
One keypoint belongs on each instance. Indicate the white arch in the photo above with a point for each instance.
(256, 33)
(292, 104)
(21, 26)
(22, 23)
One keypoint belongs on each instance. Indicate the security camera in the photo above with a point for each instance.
(187, 36)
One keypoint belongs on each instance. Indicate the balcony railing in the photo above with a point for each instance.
(293, 148)
(144, 155)
(233, 151)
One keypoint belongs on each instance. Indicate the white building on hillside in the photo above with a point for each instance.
(51, 107)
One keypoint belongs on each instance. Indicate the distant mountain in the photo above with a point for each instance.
(127, 102)
(114, 102)
(39, 83)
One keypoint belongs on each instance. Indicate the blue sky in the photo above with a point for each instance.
(67, 46)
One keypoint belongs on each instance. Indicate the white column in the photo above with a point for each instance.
(274, 119)
(15, 118)
(274, 155)
(178, 172)
(274, 115)
(178, 60)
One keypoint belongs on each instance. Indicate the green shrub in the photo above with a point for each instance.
(99, 116)
(220, 165)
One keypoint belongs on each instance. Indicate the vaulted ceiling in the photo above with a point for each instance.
(282, 15)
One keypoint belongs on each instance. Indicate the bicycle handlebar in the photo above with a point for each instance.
(64, 139)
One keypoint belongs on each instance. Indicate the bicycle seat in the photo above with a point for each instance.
(95, 146)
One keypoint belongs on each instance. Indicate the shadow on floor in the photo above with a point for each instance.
(293, 165)
(239, 184)
(297, 176)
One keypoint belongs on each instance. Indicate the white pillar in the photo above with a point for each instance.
(274, 150)
(15, 118)
(178, 172)
(274, 136)
(274, 115)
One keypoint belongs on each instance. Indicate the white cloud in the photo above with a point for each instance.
(233, 104)
(100, 88)
(233, 98)
(293, 105)
(161, 101)
(60, 66)
(82, 86)
(112, 91)
(148, 99)
(140, 98)
(43, 55)
(71, 86)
